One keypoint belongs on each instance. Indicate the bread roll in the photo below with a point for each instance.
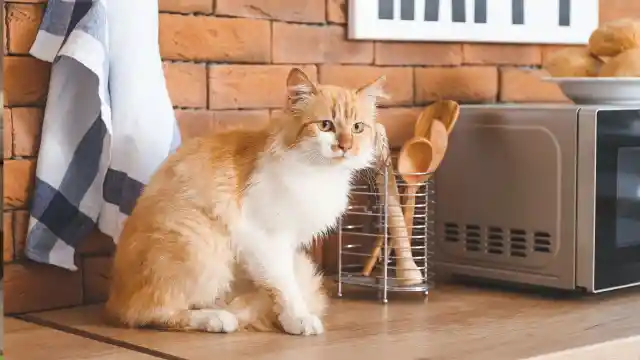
(626, 64)
(572, 62)
(612, 38)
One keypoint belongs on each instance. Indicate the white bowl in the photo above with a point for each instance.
(601, 91)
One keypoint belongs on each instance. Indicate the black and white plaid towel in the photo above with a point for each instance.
(108, 122)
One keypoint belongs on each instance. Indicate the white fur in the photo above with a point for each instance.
(295, 195)
(319, 151)
(214, 320)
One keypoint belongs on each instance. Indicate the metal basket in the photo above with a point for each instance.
(369, 221)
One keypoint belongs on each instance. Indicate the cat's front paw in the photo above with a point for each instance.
(216, 321)
(301, 325)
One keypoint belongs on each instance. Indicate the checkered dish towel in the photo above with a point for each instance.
(108, 123)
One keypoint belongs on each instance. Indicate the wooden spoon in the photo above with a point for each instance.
(394, 207)
(435, 123)
(446, 110)
(414, 163)
(396, 225)
(412, 166)
(415, 160)
(439, 139)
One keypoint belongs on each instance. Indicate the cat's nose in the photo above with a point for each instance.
(345, 146)
(344, 141)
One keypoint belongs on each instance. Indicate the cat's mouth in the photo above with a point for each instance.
(342, 158)
(340, 155)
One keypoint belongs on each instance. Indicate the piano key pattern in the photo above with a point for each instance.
(459, 7)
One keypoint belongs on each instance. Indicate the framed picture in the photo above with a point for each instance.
(493, 21)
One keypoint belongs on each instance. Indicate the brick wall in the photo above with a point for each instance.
(225, 63)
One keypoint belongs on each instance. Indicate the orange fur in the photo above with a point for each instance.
(176, 259)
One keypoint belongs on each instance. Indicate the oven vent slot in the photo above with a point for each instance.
(518, 243)
(495, 240)
(542, 242)
(473, 238)
(451, 232)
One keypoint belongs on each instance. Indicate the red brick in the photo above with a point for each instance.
(489, 54)
(96, 276)
(474, 84)
(20, 227)
(195, 123)
(187, 84)
(617, 9)
(186, 6)
(18, 182)
(27, 126)
(337, 11)
(250, 86)
(525, 85)
(7, 134)
(401, 53)
(275, 113)
(23, 21)
(548, 50)
(338, 49)
(399, 123)
(26, 80)
(285, 10)
(33, 287)
(7, 236)
(207, 38)
(294, 43)
(303, 44)
(398, 85)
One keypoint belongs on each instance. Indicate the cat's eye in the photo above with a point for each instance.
(325, 125)
(358, 127)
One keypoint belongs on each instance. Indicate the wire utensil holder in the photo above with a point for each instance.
(370, 233)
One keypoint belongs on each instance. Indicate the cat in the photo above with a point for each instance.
(216, 240)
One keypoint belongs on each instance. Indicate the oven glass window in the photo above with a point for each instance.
(628, 198)
(617, 221)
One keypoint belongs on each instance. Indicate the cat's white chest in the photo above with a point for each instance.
(295, 201)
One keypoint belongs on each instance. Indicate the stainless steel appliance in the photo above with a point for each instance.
(542, 195)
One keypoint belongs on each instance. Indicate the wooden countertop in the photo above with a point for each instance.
(32, 342)
(455, 322)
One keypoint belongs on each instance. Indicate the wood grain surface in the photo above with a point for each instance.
(455, 322)
(26, 341)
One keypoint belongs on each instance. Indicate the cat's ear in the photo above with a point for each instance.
(299, 87)
(374, 90)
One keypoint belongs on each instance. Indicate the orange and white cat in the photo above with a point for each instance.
(216, 241)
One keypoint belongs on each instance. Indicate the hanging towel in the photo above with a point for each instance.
(108, 121)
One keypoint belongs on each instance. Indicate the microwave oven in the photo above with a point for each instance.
(544, 195)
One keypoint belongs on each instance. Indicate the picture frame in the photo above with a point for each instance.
(489, 21)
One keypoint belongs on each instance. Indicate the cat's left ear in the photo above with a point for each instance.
(374, 90)
(299, 87)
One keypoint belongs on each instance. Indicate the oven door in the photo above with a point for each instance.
(617, 199)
